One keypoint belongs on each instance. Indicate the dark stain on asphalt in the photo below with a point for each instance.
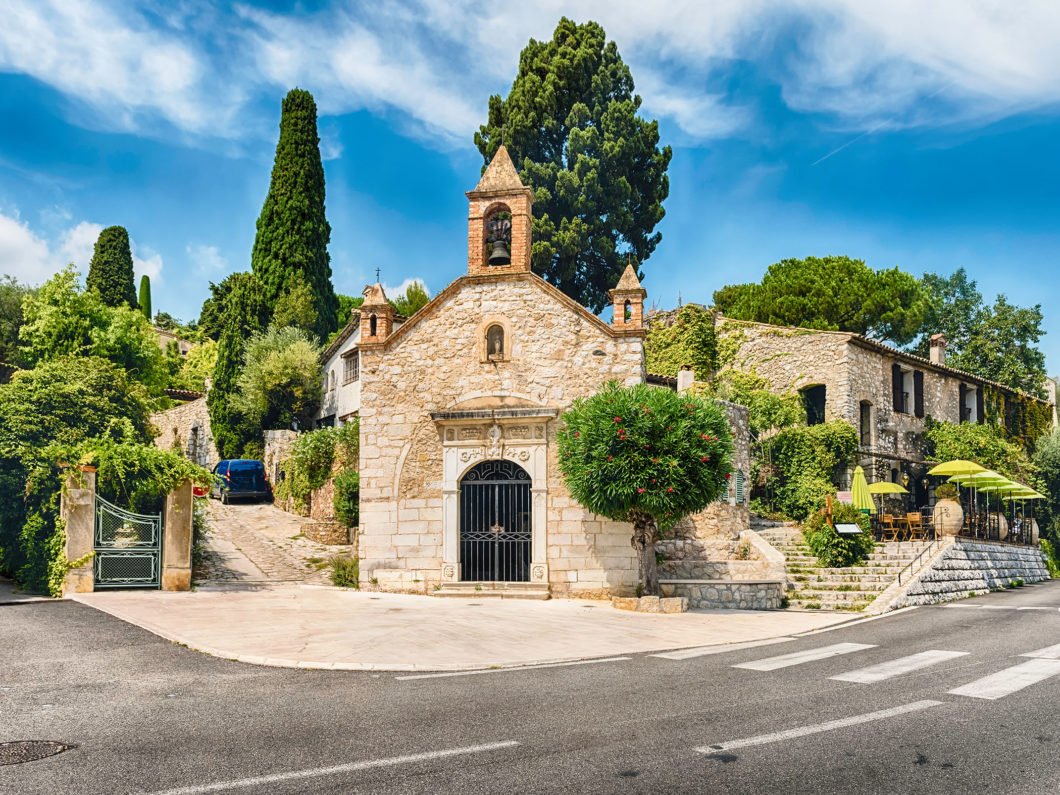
(724, 758)
(920, 759)
(629, 774)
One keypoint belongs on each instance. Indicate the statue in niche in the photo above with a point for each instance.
(495, 343)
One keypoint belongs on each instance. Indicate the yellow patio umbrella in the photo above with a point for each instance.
(956, 467)
(976, 479)
(859, 492)
(886, 487)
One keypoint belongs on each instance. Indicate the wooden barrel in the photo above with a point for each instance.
(949, 517)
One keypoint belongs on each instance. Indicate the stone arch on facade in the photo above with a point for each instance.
(505, 325)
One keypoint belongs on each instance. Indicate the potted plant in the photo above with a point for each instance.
(948, 514)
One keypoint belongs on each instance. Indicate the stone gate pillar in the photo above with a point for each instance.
(77, 509)
(177, 538)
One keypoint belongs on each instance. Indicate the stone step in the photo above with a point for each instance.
(493, 590)
(833, 597)
(840, 585)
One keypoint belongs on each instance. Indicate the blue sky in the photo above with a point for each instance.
(922, 138)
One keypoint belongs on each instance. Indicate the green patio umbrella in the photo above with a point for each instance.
(859, 492)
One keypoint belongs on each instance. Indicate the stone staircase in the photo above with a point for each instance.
(816, 587)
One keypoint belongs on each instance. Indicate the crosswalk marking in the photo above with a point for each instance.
(799, 657)
(700, 651)
(1048, 653)
(803, 731)
(1009, 681)
(903, 665)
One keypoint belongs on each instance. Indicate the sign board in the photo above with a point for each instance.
(848, 529)
(845, 496)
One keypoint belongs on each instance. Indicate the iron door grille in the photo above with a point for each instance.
(495, 527)
(128, 548)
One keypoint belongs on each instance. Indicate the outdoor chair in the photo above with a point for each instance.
(914, 524)
(927, 523)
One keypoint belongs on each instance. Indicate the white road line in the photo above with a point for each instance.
(799, 657)
(1048, 653)
(791, 734)
(701, 651)
(507, 670)
(1037, 607)
(903, 665)
(1007, 682)
(221, 786)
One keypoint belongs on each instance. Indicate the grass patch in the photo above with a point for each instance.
(345, 571)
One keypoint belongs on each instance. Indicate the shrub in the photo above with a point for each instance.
(1052, 560)
(832, 549)
(947, 491)
(200, 526)
(313, 458)
(799, 465)
(346, 500)
(345, 571)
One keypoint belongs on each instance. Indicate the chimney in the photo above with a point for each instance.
(685, 378)
(938, 349)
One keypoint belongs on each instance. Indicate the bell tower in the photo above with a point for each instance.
(377, 316)
(499, 220)
(628, 301)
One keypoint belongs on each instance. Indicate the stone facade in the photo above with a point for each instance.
(187, 428)
(966, 568)
(860, 386)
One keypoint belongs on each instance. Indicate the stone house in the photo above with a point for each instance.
(186, 427)
(458, 407)
(166, 337)
(884, 393)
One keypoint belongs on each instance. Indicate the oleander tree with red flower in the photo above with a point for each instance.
(647, 456)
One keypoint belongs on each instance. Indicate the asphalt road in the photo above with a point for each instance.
(145, 715)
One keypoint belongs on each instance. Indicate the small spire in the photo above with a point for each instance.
(629, 280)
(374, 295)
(500, 174)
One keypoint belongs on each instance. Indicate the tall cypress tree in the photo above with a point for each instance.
(111, 269)
(291, 246)
(145, 296)
(244, 314)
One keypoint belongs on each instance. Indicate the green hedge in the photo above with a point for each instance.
(832, 549)
(797, 468)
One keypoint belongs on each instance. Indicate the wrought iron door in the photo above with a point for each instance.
(495, 527)
(128, 548)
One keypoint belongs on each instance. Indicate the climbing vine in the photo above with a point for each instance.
(690, 341)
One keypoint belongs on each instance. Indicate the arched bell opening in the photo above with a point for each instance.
(497, 242)
(373, 326)
(495, 523)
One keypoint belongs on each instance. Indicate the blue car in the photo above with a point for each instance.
(240, 479)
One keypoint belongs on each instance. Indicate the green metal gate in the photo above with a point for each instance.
(128, 548)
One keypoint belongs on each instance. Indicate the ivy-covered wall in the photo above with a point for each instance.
(1021, 418)
(684, 337)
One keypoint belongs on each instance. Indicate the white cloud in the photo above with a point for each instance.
(29, 257)
(77, 244)
(392, 292)
(431, 64)
(207, 260)
(22, 254)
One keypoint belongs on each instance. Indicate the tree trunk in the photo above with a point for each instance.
(645, 534)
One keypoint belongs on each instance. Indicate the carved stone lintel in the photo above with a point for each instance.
(519, 432)
(494, 447)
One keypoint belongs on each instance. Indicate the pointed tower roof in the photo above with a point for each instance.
(500, 175)
(374, 296)
(629, 280)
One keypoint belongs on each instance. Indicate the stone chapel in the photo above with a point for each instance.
(459, 407)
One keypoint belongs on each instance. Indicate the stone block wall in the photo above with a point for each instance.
(721, 594)
(973, 567)
(187, 428)
(556, 351)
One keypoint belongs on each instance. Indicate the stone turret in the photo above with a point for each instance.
(628, 301)
(499, 196)
(377, 315)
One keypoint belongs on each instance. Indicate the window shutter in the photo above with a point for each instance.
(918, 393)
(896, 388)
(739, 487)
(980, 412)
(962, 394)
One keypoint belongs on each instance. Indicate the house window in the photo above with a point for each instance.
(971, 404)
(813, 398)
(351, 368)
(495, 343)
(865, 423)
(908, 388)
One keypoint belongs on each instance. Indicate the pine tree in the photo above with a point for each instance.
(291, 246)
(571, 127)
(145, 296)
(244, 314)
(111, 269)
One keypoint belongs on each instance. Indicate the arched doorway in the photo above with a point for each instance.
(495, 523)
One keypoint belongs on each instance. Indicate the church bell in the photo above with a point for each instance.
(500, 255)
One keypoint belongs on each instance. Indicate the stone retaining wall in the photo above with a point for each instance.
(698, 569)
(730, 594)
(973, 567)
